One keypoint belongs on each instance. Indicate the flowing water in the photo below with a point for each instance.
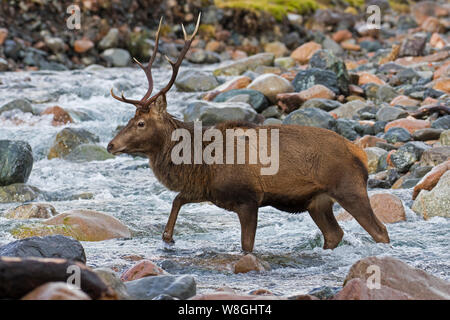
(207, 238)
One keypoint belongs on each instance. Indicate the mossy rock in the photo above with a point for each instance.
(18, 192)
(68, 139)
(89, 152)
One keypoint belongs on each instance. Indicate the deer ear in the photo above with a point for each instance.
(160, 103)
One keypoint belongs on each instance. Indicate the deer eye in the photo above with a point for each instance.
(141, 124)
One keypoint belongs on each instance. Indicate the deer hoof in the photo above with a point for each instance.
(168, 239)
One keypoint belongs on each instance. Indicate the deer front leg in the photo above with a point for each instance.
(177, 203)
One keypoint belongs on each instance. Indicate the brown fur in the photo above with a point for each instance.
(316, 166)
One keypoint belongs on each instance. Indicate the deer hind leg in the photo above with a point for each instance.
(356, 202)
(248, 217)
(321, 211)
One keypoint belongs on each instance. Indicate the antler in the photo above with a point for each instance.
(148, 73)
(176, 65)
(145, 102)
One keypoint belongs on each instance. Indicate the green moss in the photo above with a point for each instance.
(355, 3)
(277, 8)
(41, 230)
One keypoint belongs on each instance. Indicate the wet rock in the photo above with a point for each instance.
(111, 279)
(110, 40)
(55, 246)
(444, 138)
(312, 117)
(390, 114)
(251, 63)
(117, 57)
(435, 156)
(356, 289)
(427, 134)
(397, 275)
(407, 155)
(56, 291)
(307, 78)
(16, 159)
(18, 192)
(68, 139)
(374, 154)
(409, 124)
(317, 91)
(18, 104)
(60, 116)
(303, 53)
(324, 293)
(211, 113)
(348, 109)
(270, 85)
(254, 98)
(442, 123)
(181, 287)
(88, 152)
(31, 211)
(34, 272)
(326, 60)
(250, 263)
(324, 104)
(144, 268)
(429, 181)
(195, 81)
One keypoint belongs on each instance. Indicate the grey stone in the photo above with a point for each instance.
(211, 113)
(193, 81)
(181, 287)
(397, 134)
(117, 57)
(110, 40)
(255, 98)
(442, 123)
(18, 192)
(113, 281)
(305, 79)
(18, 104)
(408, 154)
(390, 114)
(239, 67)
(55, 246)
(311, 117)
(16, 162)
(324, 104)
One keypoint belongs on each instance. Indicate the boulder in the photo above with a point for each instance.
(19, 104)
(312, 117)
(240, 66)
(253, 97)
(31, 211)
(356, 289)
(34, 272)
(409, 124)
(16, 162)
(88, 152)
(374, 154)
(143, 268)
(305, 79)
(348, 109)
(56, 246)
(111, 279)
(110, 40)
(399, 276)
(435, 156)
(211, 113)
(117, 57)
(442, 123)
(250, 263)
(18, 192)
(68, 139)
(324, 59)
(429, 181)
(270, 85)
(303, 53)
(56, 291)
(407, 155)
(193, 81)
(397, 134)
(147, 288)
(427, 134)
(435, 202)
(317, 91)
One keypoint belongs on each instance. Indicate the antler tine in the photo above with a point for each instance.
(148, 69)
(123, 99)
(176, 65)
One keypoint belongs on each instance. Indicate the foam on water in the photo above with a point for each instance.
(207, 238)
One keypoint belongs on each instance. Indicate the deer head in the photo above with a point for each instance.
(143, 132)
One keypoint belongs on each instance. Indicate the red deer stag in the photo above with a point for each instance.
(316, 168)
